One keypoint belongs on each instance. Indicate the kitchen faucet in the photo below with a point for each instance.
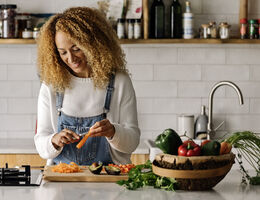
(211, 130)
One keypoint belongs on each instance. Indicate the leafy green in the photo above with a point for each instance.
(142, 175)
(248, 146)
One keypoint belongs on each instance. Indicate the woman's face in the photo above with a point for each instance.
(72, 55)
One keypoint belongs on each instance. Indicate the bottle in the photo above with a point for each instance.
(176, 19)
(121, 28)
(253, 29)
(201, 124)
(188, 22)
(243, 28)
(137, 29)
(157, 19)
(130, 29)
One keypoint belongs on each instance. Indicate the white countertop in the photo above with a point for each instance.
(228, 189)
(26, 146)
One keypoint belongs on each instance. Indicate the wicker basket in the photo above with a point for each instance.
(194, 173)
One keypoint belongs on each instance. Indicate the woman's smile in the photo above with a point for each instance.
(72, 55)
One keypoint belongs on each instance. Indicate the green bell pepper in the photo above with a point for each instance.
(169, 141)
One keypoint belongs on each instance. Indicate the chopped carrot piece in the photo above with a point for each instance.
(66, 168)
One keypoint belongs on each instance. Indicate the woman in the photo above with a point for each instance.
(85, 87)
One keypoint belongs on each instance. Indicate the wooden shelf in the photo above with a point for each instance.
(17, 41)
(154, 41)
(190, 41)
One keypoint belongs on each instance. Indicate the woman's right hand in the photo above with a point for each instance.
(66, 136)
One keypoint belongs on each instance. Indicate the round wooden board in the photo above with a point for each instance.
(192, 174)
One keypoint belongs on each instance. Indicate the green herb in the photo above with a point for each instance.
(142, 175)
(248, 146)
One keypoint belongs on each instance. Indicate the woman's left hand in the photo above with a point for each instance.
(102, 128)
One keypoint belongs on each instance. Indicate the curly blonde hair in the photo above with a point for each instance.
(92, 33)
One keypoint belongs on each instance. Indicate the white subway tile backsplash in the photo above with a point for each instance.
(3, 105)
(15, 89)
(35, 88)
(177, 72)
(3, 72)
(243, 122)
(241, 55)
(255, 73)
(225, 72)
(248, 89)
(156, 122)
(152, 55)
(20, 134)
(15, 122)
(22, 106)
(220, 6)
(141, 72)
(14, 55)
(255, 106)
(32, 6)
(201, 55)
(168, 106)
(197, 89)
(22, 72)
(155, 88)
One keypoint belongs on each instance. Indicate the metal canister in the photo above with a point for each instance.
(8, 13)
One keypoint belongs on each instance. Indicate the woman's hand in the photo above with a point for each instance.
(66, 136)
(102, 128)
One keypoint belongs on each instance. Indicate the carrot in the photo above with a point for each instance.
(225, 148)
(83, 140)
(66, 168)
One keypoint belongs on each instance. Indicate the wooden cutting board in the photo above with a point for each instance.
(84, 176)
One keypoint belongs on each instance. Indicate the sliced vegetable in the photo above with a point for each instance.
(124, 168)
(66, 168)
(168, 141)
(212, 148)
(83, 140)
(189, 148)
(225, 148)
(96, 168)
(112, 170)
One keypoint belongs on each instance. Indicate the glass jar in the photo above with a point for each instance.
(35, 32)
(205, 31)
(8, 13)
(130, 28)
(137, 29)
(243, 28)
(121, 28)
(27, 34)
(224, 30)
(213, 30)
(253, 29)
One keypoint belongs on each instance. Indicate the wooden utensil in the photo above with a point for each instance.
(84, 176)
(243, 10)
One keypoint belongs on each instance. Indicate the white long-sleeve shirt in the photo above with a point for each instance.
(82, 99)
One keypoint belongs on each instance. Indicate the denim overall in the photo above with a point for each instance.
(96, 148)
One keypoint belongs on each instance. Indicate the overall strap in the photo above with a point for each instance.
(59, 101)
(110, 89)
